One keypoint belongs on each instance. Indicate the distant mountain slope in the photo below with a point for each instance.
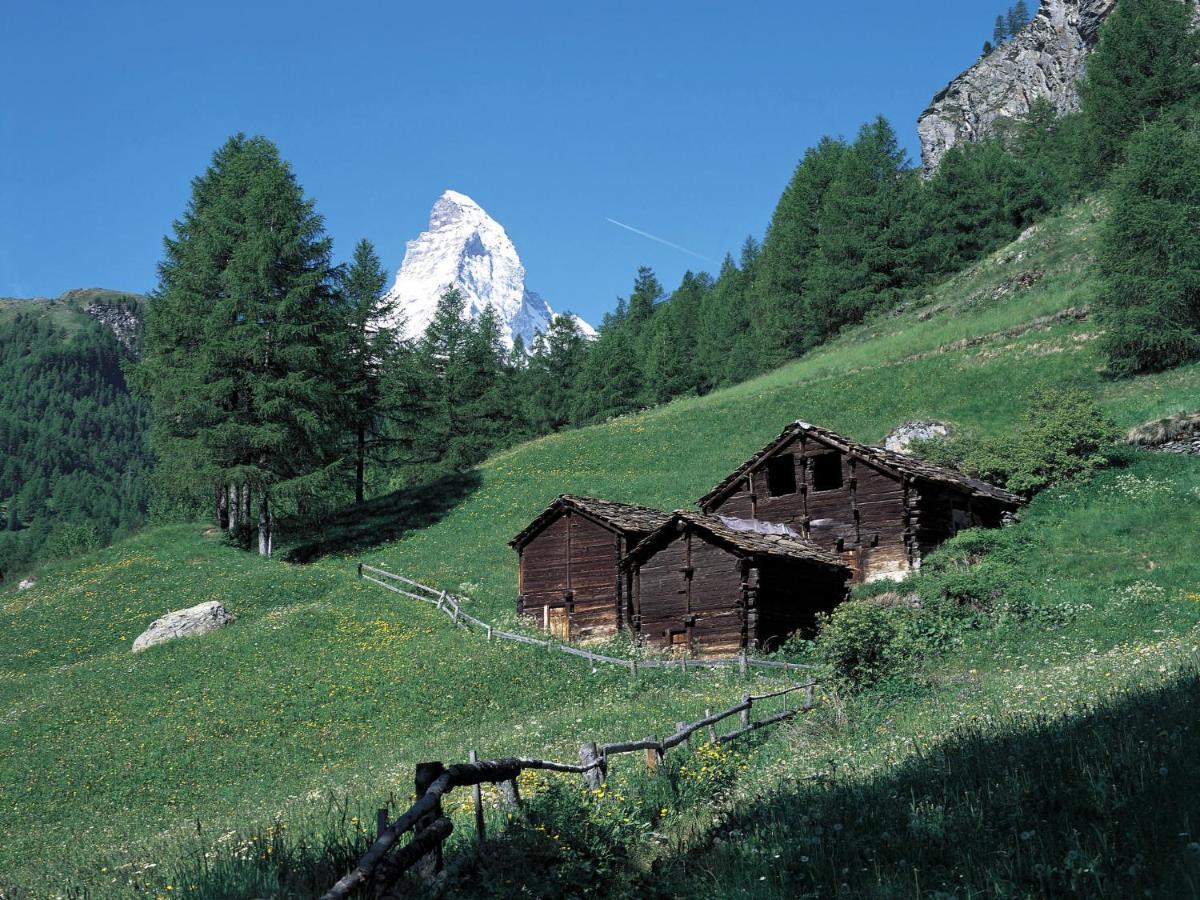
(73, 462)
(466, 248)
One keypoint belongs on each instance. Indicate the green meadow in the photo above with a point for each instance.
(245, 763)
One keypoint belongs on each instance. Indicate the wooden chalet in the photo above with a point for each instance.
(881, 511)
(568, 557)
(699, 585)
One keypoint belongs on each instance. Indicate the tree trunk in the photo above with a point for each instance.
(264, 526)
(232, 497)
(360, 464)
(222, 500)
(244, 507)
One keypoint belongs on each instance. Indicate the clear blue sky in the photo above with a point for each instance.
(683, 119)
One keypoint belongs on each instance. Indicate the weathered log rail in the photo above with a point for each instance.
(378, 871)
(452, 607)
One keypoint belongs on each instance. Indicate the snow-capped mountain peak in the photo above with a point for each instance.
(466, 248)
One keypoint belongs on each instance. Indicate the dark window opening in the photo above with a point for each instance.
(781, 475)
(826, 472)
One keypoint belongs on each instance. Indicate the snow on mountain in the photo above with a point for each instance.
(466, 248)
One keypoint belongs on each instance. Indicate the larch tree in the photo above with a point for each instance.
(1147, 60)
(371, 360)
(242, 336)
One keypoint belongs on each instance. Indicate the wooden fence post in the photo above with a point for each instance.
(489, 628)
(427, 773)
(510, 794)
(742, 667)
(746, 711)
(360, 570)
(712, 729)
(653, 756)
(808, 696)
(477, 796)
(589, 755)
(381, 822)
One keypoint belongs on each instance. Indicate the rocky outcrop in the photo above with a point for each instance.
(900, 439)
(190, 622)
(121, 320)
(1044, 61)
(26, 584)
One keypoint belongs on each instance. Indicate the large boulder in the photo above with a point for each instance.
(901, 438)
(26, 584)
(195, 620)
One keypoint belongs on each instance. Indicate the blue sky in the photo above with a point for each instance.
(683, 120)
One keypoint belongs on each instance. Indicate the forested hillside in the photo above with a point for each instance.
(73, 461)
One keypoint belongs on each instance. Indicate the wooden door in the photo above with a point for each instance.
(556, 621)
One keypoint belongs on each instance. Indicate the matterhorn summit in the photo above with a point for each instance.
(468, 249)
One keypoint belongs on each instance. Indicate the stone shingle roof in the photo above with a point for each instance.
(887, 460)
(743, 543)
(621, 516)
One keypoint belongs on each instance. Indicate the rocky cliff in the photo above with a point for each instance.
(1045, 60)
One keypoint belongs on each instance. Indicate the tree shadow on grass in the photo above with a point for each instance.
(383, 519)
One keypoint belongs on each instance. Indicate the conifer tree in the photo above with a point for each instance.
(371, 361)
(1150, 252)
(865, 254)
(782, 269)
(1018, 18)
(1147, 60)
(553, 373)
(241, 337)
(1000, 31)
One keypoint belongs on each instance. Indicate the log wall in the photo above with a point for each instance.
(864, 519)
(572, 565)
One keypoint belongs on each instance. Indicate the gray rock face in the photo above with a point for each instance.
(1044, 61)
(900, 439)
(26, 584)
(195, 620)
(121, 321)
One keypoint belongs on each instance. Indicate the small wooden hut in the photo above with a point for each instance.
(701, 586)
(881, 511)
(568, 557)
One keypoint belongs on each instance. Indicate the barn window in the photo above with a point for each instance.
(826, 472)
(781, 475)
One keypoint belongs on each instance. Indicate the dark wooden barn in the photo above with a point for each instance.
(703, 587)
(568, 557)
(881, 511)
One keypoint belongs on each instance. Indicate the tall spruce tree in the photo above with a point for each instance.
(865, 251)
(1150, 252)
(372, 360)
(553, 372)
(241, 339)
(1000, 31)
(782, 269)
(1147, 60)
(1017, 18)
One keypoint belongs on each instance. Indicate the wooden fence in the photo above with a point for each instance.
(377, 871)
(452, 607)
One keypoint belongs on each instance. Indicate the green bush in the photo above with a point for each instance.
(865, 642)
(1065, 434)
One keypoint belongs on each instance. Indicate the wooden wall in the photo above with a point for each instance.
(689, 595)
(863, 519)
(572, 564)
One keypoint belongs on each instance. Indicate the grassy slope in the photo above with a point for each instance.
(328, 685)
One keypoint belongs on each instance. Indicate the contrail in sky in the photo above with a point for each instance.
(652, 237)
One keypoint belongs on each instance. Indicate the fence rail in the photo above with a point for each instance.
(433, 781)
(452, 607)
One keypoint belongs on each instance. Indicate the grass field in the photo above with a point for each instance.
(314, 706)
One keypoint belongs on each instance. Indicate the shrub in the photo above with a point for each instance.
(1065, 434)
(865, 642)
